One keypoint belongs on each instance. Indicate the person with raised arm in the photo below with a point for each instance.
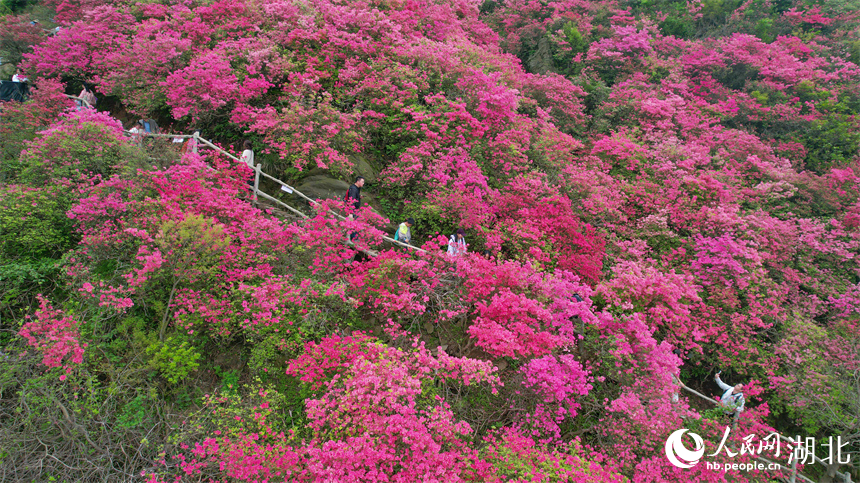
(732, 399)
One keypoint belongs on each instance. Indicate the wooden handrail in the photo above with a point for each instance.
(80, 99)
(259, 172)
(276, 180)
(155, 135)
(264, 195)
(217, 148)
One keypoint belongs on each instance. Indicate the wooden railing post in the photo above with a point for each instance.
(196, 141)
(256, 180)
(793, 477)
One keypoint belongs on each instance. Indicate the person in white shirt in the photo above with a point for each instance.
(136, 134)
(247, 154)
(457, 243)
(732, 399)
(19, 77)
(248, 158)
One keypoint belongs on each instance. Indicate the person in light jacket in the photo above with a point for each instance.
(403, 233)
(457, 243)
(732, 399)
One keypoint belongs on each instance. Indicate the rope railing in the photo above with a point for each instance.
(846, 477)
(258, 173)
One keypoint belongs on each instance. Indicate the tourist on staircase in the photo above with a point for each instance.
(247, 157)
(353, 196)
(403, 233)
(86, 98)
(248, 154)
(732, 399)
(457, 243)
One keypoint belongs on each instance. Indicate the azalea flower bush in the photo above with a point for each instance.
(648, 193)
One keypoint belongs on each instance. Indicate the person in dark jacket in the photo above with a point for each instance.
(353, 195)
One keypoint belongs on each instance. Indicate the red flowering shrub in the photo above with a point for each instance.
(662, 192)
(56, 336)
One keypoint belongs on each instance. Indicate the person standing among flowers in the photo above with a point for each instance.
(403, 233)
(457, 243)
(732, 399)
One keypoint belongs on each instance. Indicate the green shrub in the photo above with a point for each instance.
(20, 282)
(136, 413)
(830, 142)
(14, 6)
(678, 27)
(79, 420)
(574, 38)
(174, 359)
(229, 379)
(33, 223)
(85, 151)
(764, 30)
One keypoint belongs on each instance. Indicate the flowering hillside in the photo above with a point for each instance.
(648, 190)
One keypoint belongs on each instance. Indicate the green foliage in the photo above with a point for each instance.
(240, 411)
(519, 459)
(597, 95)
(229, 379)
(87, 150)
(677, 26)
(20, 281)
(716, 12)
(174, 359)
(575, 40)
(33, 223)
(34, 234)
(830, 142)
(194, 241)
(488, 7)
(136, 412)
(762, 98)
(79, 419)
(854, 51)
(715, 413)
(14, 6)
(478, 405)
(736, 76)
(764, 30)
(271, 350)
(127, 339)
(658, 74)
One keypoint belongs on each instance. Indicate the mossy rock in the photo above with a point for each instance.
(323, 187)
